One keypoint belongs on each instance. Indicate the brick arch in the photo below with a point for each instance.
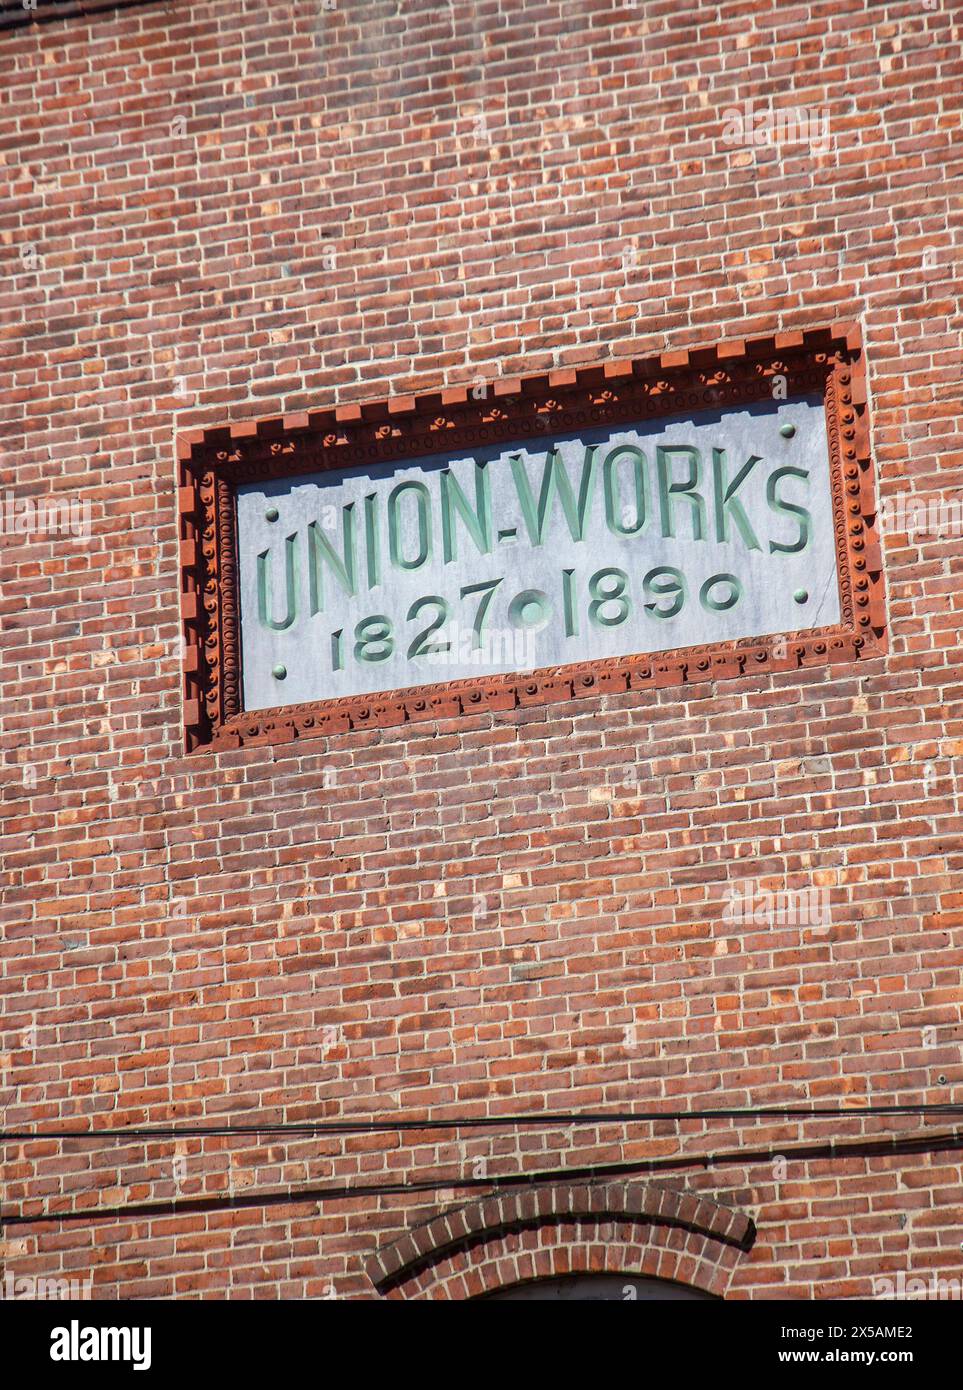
(554, 1229)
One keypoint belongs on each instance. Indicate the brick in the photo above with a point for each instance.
(526, 908)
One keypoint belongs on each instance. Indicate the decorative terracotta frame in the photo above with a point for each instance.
(212, 462)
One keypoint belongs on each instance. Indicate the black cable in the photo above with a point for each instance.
(186, 1206)
(20, 16)
(559, 1121)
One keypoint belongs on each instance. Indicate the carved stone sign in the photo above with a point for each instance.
(578, 547)
(611, 528)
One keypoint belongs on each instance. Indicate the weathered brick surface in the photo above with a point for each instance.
(216, 213)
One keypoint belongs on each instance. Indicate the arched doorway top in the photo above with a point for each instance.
(551, 1230)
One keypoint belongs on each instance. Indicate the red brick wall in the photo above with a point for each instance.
(211, 212)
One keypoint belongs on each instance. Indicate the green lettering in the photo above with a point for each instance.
(669, 488)
(613, 510)
(555, 480)
(728, 503)
(477, 522)
(264, 604)
(322, 552)
(422, 500)
(776, 504)
(372, 544)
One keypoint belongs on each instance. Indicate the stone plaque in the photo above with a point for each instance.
(617, 527)
(569, 549)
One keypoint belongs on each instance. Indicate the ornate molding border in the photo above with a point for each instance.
(556, 1229)
(212, 462)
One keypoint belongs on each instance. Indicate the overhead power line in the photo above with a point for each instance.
(312, 1195)
(15, 14)
(309, 1129)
